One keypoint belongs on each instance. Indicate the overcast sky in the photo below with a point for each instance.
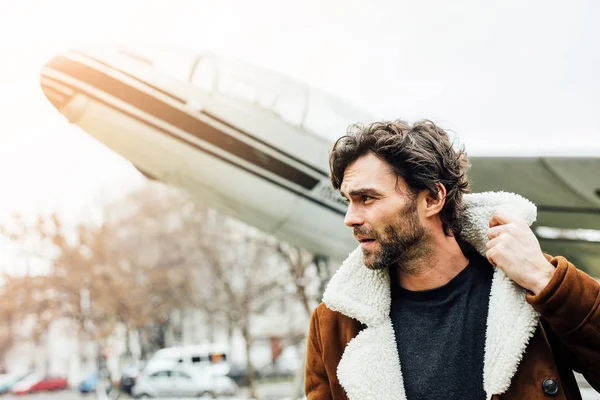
(512, 77)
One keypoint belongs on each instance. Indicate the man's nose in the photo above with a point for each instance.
(353, 218)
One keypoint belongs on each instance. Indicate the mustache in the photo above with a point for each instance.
(364, 232)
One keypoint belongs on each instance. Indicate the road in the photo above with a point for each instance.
(62, 395)
(272, 393)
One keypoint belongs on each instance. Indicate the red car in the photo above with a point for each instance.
(37, 383)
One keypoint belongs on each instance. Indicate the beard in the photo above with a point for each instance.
(401, 242)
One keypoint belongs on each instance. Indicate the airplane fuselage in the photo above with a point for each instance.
(237, 157)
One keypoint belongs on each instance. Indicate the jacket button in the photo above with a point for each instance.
(550, 386)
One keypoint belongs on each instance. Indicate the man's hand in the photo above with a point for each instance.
(514, 248)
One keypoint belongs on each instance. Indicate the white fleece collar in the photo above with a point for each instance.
(369, 368)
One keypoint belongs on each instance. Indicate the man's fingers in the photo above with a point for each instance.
(490, 256)
(501, 217)
(491, 243)
(496, 231)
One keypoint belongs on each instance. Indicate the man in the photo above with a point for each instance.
(447, 297)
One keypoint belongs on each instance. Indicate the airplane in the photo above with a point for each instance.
(253, 144)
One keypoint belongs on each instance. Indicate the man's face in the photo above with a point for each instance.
(383, 213)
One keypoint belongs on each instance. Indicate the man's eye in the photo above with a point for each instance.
(367, 198)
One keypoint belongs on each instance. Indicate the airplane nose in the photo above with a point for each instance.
(53, 85)
(59, 82)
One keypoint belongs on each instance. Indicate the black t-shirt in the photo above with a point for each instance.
(440, 335)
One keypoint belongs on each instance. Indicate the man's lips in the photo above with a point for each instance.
(365, 241)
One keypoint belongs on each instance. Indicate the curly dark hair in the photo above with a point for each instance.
(421, 154)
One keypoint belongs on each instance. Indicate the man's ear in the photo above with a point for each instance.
(434, 204)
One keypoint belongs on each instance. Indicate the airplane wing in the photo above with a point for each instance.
(566, 191)
(584, 255)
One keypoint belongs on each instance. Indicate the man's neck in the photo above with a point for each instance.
(436, 268)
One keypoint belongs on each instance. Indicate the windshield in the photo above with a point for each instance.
(297, 103)
(266, 89)
(329, 117)
(171, 61)
(293, 101)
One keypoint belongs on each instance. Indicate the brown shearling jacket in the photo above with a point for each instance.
(533, 343)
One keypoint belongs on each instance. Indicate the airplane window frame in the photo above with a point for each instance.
(262, 88)
(203, 60)
(328, 117)
(299, 114)
(232, 81)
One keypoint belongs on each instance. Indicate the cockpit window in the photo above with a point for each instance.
(171, 61)
(138, 57)
(290, 104)
(243, 84)
(292, 101)
(329, 117)
(203, 75)
(269, 90)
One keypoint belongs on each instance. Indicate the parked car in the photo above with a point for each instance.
(181, 380)
(51, 383)
(7, 381)
(25, 385)
(129, 375)
(38, 383)
(213, 355)
(88, 384)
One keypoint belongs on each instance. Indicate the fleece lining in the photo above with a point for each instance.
(370, 367)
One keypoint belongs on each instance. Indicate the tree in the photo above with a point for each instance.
(149, 258)
(159, 258)
(132, 268)
(75, 285)
(244, 267)
(303, 271)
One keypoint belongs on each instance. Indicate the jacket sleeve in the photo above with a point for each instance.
(316, 382)
(570, 304)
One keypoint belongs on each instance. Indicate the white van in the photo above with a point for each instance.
(211, 356)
